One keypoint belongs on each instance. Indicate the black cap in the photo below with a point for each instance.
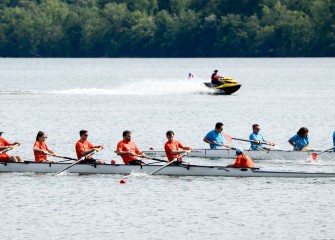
(215, 70)
(1, 132)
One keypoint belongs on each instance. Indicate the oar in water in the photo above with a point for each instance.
(81, 159)
(315, 155)
(9, 148)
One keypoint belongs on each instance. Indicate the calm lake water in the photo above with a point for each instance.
(149, 97)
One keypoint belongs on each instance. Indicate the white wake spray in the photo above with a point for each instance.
(147, 87)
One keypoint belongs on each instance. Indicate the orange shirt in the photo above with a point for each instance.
(173, 147)
(243, 161)
(3, 143)
(124, 146)
(40, 156)
(83, 146)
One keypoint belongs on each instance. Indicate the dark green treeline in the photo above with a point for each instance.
(167, 28)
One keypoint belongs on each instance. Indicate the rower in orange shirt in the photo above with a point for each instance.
(128, 150)
(6, 146)
(41, 149)
(84, 147)
(172, 148)
(242, 160)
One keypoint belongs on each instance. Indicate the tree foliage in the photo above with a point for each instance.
(167, 28)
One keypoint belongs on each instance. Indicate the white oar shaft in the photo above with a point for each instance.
(81, 159)
(252, 141)
(169, 163)
(8, 148)
(68, 158)
(157, 170)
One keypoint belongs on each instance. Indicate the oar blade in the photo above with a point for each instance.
(228, 138)
(314, 156)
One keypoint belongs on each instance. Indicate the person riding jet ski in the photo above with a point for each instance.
(216, 78)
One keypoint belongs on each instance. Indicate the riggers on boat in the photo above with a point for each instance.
(183, 170)
(255, 155)
(228, 86)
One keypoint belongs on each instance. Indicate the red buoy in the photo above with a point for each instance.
(151, 148)
(113, 162)
(123, 181)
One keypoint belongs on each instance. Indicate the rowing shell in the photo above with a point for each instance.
(255, 155)
(186, 170)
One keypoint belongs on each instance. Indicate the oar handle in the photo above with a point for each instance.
(9, 148)
(326, 150)
(68, 158)
(253, 141)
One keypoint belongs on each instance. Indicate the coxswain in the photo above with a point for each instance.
(242, 160)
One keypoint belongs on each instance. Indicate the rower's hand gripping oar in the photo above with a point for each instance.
(81, 159)
(315, 155)
(10, 148)
(229, 139)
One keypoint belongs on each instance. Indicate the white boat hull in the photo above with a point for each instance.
(188, 170)
(255, 155)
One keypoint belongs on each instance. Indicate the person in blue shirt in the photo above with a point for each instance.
(300, 141)
(334, 141)
(256, 136)
(215, 138)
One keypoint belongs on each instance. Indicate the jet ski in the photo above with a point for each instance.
(228, 86)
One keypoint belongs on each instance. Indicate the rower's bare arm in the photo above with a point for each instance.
(290, 142)
(40, 150)
(121, 153)
(178, 152)
(305, 148)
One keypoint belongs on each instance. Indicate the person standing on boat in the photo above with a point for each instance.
(334, 141)
(174, 148)
(256, 136)
(215, 78)
(300, 141)
(242, 160)
(215, 138)
(5, 145)
(128, 150)
(41, 149)
(84, 147)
